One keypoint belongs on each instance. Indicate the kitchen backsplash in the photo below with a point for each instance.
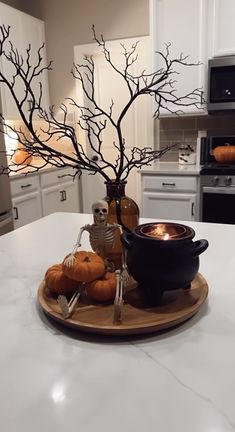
(167, 131)
(63, 144)
(185, 130)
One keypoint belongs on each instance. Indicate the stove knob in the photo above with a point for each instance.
(215, 180)
(227, 181)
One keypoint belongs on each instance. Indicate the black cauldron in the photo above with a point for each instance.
(162, 256)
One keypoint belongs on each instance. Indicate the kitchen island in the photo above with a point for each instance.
(56, 379)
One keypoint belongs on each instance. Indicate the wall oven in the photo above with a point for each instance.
(217, 184)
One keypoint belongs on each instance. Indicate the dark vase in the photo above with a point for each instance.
(123, 211)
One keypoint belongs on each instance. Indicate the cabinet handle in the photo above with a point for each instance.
(64, 195)
(61, 196)
(192, 209)
(202, 97)
(26, 186)
(16, 213)
(168, 184)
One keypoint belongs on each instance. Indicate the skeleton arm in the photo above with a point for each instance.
(78, 243)
(70, 258)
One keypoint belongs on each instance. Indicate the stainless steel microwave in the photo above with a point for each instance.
(221, 84)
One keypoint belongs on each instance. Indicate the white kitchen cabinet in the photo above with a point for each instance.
(26, 200)
(170, 197)
(26, 208)
(34, 34)
(221, 29)
(183, 24)
(43, 193)
(24, 30)
(62, 198)
(59, 192)
(20, 186)
(175, 206)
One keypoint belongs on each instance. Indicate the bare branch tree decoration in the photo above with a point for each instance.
(93, 119)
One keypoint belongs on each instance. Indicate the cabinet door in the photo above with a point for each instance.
(10, 17)
(26, 209)
(61, 198)
(221, 29)
(169, 206)
(182, 23)
(34, 34)
(71, 199)
(24, 30)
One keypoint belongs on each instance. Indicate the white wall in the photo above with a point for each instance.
(69, 23)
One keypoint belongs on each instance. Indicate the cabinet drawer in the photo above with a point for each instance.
(56, 177)
(24, 185)
(169, 183)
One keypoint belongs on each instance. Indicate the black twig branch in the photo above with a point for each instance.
(94, 120)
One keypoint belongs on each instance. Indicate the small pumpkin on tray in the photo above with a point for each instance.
(87, 267)
(57, 282)
(102, 289)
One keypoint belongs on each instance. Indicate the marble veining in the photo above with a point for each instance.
(53, 378)
(187, 387)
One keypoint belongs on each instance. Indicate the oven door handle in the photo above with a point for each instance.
(219, 190)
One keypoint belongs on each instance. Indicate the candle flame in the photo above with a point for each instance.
(159, 232)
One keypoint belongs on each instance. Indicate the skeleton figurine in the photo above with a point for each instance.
(101, 237)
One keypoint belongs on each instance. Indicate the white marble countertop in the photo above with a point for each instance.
(54, 379)
(168, 168)
(171, 168)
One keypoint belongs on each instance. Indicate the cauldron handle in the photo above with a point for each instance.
(127, 239)
(199, 247)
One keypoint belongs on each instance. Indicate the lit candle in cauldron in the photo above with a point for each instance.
(163, 231)
(171, 257)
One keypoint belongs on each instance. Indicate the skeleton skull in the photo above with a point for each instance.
(100, 212)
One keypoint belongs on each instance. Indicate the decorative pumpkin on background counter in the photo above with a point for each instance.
(224, 154)
(21, 156)
(87, 267)
(103, 289)
(57, 282)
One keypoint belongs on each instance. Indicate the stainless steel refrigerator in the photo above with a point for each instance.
(6, 218)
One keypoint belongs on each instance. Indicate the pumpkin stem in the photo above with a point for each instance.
(86, 259)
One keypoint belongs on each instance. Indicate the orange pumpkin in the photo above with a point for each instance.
(224, 154)
(21, 156)
(103, 289)
(57, 282)
(87, 267)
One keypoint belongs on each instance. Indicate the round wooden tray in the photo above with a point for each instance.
(177, 307)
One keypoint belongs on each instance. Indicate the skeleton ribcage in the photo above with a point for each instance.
(102, 239)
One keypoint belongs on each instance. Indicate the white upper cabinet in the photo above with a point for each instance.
(183, 24)
(221, 28)
(24, 30)
(35, 36)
